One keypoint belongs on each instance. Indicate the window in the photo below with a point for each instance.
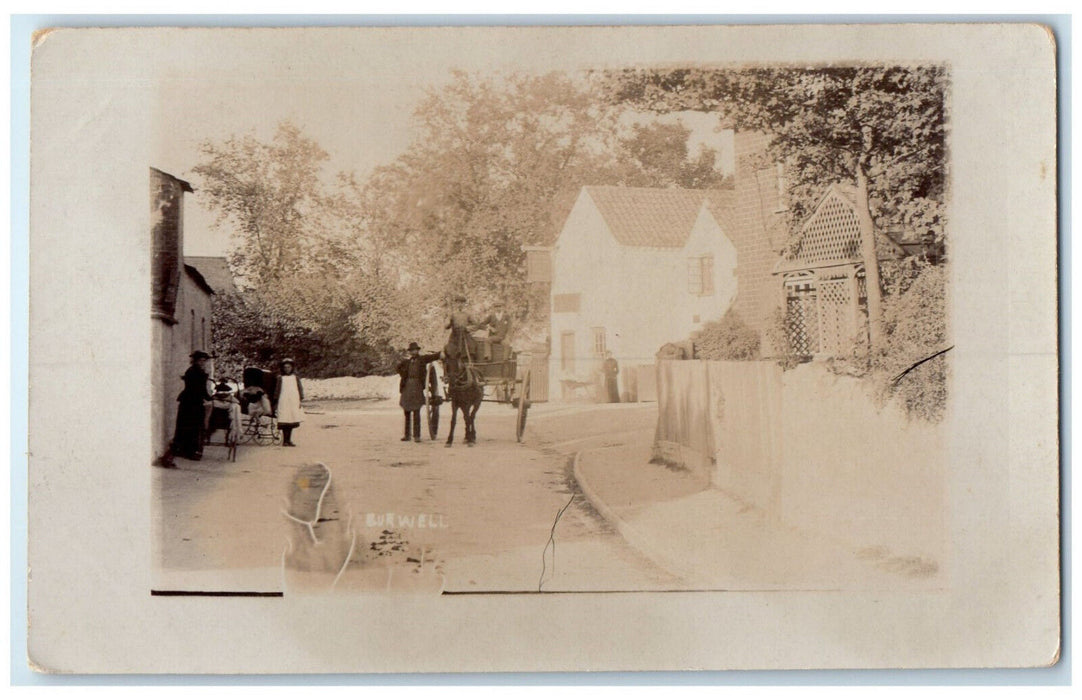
(599, 341)
(203, 331)
(701, 275)
(194, 337)
(566, 303)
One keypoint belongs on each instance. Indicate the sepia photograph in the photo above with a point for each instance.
(690, 326)
(475, 321)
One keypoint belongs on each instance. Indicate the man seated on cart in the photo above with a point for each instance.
(495, 347)
(461, 343)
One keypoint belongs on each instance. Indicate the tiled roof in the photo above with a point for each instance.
(215, 270)
(722, 204)
(655, 217)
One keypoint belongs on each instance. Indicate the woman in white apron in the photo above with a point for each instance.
(288, 394)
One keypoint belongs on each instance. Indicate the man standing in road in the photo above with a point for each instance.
(411, 371)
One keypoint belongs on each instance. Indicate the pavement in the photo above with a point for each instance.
(710, 540)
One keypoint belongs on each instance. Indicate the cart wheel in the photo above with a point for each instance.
(523, 404)
(433, 412)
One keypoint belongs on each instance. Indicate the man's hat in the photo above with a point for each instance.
(223, 388)
(459, 299)
(414, 346)
(287, 361)
(199, 355)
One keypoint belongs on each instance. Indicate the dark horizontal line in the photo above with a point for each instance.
(222, 594)
(654, 590)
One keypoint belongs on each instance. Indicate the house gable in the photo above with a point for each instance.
(709, 237)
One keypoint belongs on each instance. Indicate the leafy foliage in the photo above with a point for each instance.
(915, 320)
(778, 341)
(269, 193)
(823, 122)
(726, 339)
(661, 158)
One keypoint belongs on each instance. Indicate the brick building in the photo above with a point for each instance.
(759, 232)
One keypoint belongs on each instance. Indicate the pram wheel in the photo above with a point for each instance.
(268, 433)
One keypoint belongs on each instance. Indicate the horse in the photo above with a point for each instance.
(465, 389)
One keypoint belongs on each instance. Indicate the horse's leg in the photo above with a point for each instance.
(454, 416)
(471, 411)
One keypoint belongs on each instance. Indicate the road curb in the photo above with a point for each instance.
(634, 537)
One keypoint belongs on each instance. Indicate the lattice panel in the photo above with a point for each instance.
(801, 321)
(832, 233)
(835, 324)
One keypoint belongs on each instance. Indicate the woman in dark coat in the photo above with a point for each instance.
(188, 436)
(411, 370)
(611, 370)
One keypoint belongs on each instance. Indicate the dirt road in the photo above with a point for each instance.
(471, 519)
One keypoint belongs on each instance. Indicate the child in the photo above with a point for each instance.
(288, 394)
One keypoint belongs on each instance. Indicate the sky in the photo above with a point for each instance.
(353, 94)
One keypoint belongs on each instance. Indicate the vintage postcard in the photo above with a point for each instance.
(543, 349)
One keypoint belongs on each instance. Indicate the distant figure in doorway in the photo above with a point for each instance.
(611, 370)
(288, 394)
(188, 436)
(411, 385)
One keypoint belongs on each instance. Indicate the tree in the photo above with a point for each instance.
(270, 195)
(881, 127)
(661, 151)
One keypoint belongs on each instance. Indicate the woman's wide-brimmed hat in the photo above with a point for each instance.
(199, 355)
(223, 388)
(414, 346)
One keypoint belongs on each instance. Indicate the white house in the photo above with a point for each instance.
(632, 269)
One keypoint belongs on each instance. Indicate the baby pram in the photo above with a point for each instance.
(259, 424)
